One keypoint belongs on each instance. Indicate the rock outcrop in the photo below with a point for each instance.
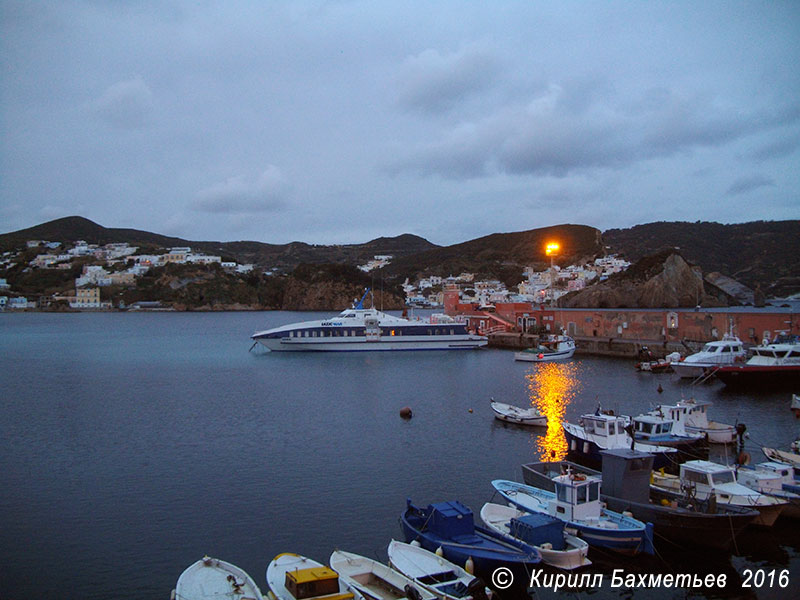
(662, 281)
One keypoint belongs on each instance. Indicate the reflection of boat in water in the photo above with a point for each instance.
(514, 414)
(555, 347)
(360, 329)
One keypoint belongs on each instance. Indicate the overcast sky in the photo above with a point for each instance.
(339, 122)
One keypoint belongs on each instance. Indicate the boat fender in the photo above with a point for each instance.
(743, 458)
(469, 566)
(627, 513)
(439, 551)
(415, 543)
(541, 356)
(406, 413)
(546, 546)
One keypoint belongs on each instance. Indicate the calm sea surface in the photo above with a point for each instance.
(133, 444)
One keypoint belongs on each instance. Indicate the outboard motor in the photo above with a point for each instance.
(477, 589)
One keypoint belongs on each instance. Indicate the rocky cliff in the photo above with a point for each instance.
(665, 280)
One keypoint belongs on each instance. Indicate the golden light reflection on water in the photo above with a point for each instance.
(551, 387)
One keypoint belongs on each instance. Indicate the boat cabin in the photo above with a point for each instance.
(652, 427)
(626, 474)
(315, 582)
(768, 477)
(705, 474)
(606, 426)
(577, 497)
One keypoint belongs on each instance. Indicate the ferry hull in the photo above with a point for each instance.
(757, 376)
(362, 345)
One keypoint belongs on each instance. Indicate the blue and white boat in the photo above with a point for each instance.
(576, 501)
(656, 429)
(359, 329)
(451, 527)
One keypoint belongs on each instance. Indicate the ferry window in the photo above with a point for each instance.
(611, 429)
(600, 425)
(726, 349)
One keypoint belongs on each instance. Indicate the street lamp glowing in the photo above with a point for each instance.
(552, 249)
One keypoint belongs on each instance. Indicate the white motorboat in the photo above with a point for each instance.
(691, 417)
(703, 480)
(727, 351)
(435, 573)
(547, 534)
(772, 365)
(791, 457)
(295, 577)
(359, 329)
(555, 347)
(774, 479)
(515, 414)
(374, 580)
(211, 579)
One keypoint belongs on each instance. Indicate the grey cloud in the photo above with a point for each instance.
(126, 104)
(549, 137)
(242, 194)
(749, 183)
(777, 149)
(433, 82)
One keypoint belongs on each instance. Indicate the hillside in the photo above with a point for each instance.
(282, 256)
(503, 255)
(763, 254)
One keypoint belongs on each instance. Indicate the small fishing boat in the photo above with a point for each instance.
(545, 533)
(654, 428)
(451, 527)
(577, 502)
(435, 573)
(650, 364)
(295, 577)
(515, 414)
(704, 480)
(774, 479)
(625, 488)
(691, 417)
(211, 578)
(555, 347)
(792, 457)
(603, 431)
(374, 580)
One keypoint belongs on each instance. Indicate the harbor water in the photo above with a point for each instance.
(132, 444)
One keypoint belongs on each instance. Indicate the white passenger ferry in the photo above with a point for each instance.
(360, 329)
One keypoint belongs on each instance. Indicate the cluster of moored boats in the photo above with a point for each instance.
(553, 518)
